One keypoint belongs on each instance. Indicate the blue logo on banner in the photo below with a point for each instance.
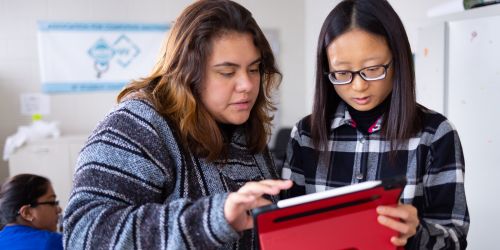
(123, 49)
(102, 54)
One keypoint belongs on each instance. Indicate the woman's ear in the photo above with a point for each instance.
(25, 213)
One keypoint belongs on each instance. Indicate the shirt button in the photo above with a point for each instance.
(362, 140)
(359, 176)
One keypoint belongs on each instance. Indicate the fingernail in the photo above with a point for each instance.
(381, 219)
(380, 209)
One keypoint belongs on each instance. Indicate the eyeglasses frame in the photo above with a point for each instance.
(35, 204)
(52, 203)
(358, 72)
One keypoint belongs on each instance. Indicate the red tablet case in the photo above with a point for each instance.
(348, 221)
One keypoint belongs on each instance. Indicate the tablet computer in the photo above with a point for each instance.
(340, 218)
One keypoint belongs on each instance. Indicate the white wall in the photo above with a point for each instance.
(79, 113)
(316, 12)
(287, 16)
(414, 15)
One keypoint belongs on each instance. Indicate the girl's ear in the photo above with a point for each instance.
(26, 213)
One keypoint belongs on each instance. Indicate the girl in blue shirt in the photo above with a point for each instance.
(29, 212)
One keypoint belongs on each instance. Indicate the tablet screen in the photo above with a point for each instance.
(327, 194)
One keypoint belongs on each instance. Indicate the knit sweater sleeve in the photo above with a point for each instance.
(123, 195)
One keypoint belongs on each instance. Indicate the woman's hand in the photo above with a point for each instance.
(249, 196)
(402, 218)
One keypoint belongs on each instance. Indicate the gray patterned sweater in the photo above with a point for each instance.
(135, 188)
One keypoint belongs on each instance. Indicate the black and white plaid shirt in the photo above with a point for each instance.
(432, 162)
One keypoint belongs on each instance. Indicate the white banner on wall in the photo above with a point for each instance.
(82, 57)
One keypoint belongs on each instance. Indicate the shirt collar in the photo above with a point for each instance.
(342, 117)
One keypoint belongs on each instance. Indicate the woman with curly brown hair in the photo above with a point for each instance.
(183, 157)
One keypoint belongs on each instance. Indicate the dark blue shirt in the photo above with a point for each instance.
(18, 237)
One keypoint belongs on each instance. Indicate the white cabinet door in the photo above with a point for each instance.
(474, 108)
(52, 158)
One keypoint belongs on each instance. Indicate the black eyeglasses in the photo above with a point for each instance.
(51, 203)
(36, 203)
(371, 73)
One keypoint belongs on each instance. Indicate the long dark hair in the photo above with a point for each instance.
(20, 190)
(173, 86)
(377, 17)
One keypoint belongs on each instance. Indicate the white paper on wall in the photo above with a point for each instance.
(35, 103)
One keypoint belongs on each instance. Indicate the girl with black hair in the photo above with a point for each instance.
(366, 125)
(29, 213)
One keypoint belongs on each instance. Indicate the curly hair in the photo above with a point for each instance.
(173, 86)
